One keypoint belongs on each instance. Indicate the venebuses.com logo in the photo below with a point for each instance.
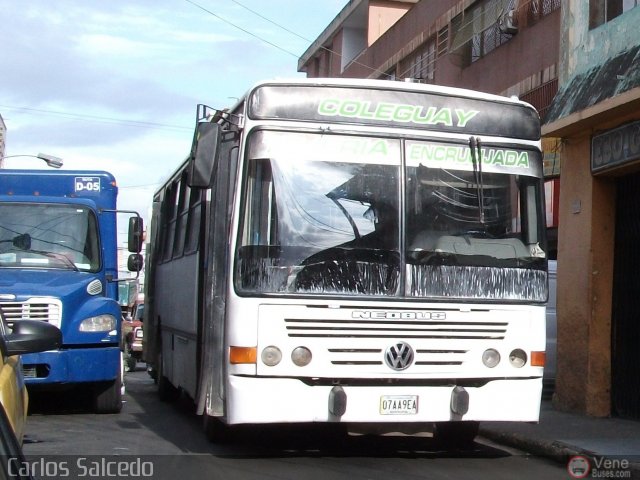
(580, 466)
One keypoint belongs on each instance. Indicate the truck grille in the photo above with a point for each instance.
(45, 309)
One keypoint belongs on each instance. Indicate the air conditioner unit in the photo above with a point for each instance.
(507, 23)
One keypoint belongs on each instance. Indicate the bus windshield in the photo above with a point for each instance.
(355, 215)
(49, 236)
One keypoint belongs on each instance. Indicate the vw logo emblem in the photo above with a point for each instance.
(399, 356)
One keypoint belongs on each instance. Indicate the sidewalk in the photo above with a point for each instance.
(561, 435)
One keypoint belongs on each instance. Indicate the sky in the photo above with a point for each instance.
(113, 85)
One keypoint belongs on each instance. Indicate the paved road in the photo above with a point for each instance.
(159, 440)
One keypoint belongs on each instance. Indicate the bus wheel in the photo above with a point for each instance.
(214, 429)
(107, 396)
(458, 435)
(166, 391)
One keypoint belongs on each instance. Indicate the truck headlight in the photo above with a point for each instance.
(99, 323)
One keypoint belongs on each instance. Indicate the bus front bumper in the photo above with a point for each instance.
(72, 366)
(273, 400)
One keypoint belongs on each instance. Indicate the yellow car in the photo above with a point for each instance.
(24, 336)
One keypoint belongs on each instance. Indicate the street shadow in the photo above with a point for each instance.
(68, 401)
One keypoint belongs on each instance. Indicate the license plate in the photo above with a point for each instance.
(398, 405)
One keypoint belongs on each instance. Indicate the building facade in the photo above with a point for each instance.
(596, 116)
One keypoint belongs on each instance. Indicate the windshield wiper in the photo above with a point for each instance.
(332, 196)
(57, 256)
(474, 145)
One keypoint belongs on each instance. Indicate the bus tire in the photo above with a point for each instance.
(107, 396)
(456, 435)
(215, 430)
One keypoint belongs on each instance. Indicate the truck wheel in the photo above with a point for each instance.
(455, 435)
(107, 396)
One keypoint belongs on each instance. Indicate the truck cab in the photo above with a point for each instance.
(58, 264)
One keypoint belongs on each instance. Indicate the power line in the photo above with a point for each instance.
(98, 118)
(271, 21)
(322, 47)
(240, 28)
(140, 186)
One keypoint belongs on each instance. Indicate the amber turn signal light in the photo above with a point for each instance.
(238, 355)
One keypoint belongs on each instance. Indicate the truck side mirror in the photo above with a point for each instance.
(203, 155)
(136, 234)
(135, 262)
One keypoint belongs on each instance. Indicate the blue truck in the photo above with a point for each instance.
(59, 264)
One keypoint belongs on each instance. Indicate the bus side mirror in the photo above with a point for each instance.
(135, 262)
(203, 155)
(136, 234)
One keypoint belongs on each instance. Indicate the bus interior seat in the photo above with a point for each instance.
(493, 247)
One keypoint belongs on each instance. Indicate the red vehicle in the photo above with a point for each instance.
(133, 338)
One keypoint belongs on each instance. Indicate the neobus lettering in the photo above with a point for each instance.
(382, 315)
(396, 112)
(459, 154)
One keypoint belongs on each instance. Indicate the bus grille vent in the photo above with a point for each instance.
(432, 330)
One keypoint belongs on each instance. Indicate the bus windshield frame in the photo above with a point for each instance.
(320, 215)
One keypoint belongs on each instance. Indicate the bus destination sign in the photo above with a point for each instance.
(394, 108)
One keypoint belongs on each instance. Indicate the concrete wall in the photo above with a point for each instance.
(582, 49)
(585, 273)
(382, 16)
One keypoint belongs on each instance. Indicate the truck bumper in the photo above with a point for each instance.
(72, 366)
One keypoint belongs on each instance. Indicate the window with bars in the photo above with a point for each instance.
(491, 23)
(603, 11)
(443, 40)
(482, 28)
(420, 65)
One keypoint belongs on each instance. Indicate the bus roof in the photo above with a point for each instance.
(387, 84)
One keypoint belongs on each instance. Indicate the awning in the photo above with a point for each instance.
(575, 98)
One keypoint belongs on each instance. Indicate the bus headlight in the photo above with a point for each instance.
(271, 356)
(490, 358)
(99, 323)
(301, 356)
(518, 358)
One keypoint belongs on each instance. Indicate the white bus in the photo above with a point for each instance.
(353, 252)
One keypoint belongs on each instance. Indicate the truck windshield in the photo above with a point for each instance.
(49, 236)
(348, 215)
